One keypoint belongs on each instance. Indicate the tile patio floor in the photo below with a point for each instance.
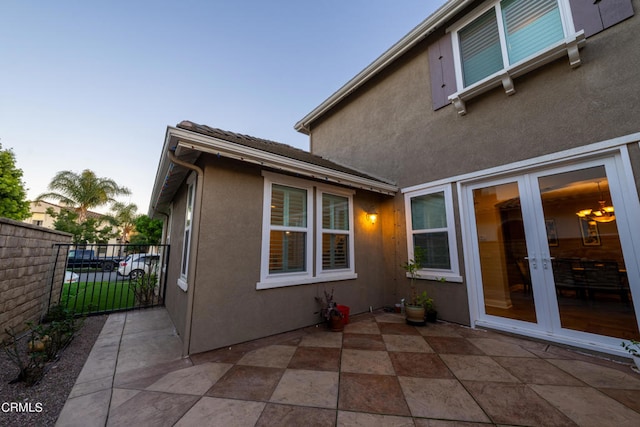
(378, 372)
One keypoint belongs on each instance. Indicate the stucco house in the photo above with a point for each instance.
(40, 217)
(501, 137)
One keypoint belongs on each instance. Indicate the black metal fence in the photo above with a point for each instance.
(102, 279)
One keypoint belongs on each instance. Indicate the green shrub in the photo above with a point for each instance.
(144, 288)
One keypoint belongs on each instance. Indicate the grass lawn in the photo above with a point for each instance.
(91, 297)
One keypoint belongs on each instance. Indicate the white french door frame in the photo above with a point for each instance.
(620, 175)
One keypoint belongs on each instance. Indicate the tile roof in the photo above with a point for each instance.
(272, 147)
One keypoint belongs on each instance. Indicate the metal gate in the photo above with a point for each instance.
(99, 279)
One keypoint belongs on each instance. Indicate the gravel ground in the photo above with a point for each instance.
(52, 390)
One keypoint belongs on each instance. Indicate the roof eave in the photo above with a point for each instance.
(161, 173)
(428, 26)
(180, 138)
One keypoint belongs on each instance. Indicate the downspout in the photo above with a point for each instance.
(165, 262)
(193, 251)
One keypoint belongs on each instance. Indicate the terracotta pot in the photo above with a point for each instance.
(415, 314)
(336, 323)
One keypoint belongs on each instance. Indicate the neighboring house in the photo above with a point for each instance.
(40, 217)
(490, 136)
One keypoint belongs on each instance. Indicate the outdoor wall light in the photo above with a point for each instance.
(372, 217)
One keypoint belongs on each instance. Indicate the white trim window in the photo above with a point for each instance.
(287, 230)
(288, 233)
(503, 39)
(186, 243)
(334, 243)
(430, 227)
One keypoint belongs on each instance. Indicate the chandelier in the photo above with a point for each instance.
(603, 213)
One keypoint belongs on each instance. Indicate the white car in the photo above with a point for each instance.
(137, 265)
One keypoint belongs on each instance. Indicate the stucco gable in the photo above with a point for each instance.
(271, 147)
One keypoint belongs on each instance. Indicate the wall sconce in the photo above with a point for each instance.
(372, 217)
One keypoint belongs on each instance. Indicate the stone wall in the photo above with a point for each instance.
(27, 259)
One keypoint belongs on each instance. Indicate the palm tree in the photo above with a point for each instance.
(83, 191)
(125, 216)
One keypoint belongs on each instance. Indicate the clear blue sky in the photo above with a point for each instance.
(93, 85)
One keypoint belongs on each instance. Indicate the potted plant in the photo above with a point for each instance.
(329, 311)
(415, 309)
(633, 347)
(431, 314)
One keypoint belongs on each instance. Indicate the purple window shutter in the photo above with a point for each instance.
(593, 16)
(586, 16)
(614, 11)
(442, 72)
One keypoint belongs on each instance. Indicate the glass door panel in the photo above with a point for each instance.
(589, 272)
(506, 279)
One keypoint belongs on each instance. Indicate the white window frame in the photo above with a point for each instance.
(185, 255)
(334, 274)
(568, 46)
(274, 280)
(453, 273)
(314, 231)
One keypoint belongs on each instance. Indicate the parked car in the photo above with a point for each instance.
(88, 258)
(137, 265)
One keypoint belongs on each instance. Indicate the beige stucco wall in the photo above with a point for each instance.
(227, 307)
(176, 298)
(555, 108)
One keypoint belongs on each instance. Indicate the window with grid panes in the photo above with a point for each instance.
(288, 235)
(431, 231)
(335, 232)
(307, 232)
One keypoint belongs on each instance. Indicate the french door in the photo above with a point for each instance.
(553, 255)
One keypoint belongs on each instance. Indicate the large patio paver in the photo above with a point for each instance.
(378, 372)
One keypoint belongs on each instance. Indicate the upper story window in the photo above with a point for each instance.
(430, 227)
(503, 39)
(507, 38)
(291, 232)
(508, 32)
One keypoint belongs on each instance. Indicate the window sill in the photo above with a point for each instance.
(285, 282)
(568, 46)
(182, 284)
(443, 277)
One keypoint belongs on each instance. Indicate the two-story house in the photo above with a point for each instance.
(500, 137)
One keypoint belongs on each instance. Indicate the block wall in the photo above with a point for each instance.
(27, 259)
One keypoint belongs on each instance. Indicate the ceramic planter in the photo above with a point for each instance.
(415, 314)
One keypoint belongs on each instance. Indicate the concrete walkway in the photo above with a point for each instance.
(378, 372)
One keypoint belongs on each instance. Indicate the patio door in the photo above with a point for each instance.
(550, 252)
